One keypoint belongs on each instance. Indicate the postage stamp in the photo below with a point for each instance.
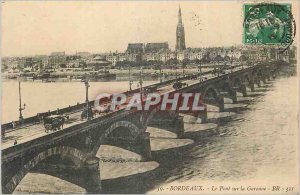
(268, 23)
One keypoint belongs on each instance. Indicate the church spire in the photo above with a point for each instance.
(179, 16)
(180, 35)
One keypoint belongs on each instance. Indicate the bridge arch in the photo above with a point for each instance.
(129, 128)
(226, 86)
(118, 129)
(211, 91)
(254, 73)
(73, 154)
(259, 73)
(248, 78)
(257, 76)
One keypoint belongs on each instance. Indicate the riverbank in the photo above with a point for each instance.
(113, 74)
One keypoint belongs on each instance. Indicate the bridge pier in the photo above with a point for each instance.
(251, 85)
(268, 77)
(274, 74)
(264, 79)
(243, 90)
(91, 174)
(179, 126)
(203, 115)
(257, 80)
(233, 96)
(145, 147)
(221, 103)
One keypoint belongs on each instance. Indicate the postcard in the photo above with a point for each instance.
(149, 97)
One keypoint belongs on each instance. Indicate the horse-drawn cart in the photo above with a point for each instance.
(178, 85)
(53, 122)
(87, 114)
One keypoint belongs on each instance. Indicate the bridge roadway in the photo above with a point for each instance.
(37, 130)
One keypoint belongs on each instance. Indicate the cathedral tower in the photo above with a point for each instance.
(180, 36)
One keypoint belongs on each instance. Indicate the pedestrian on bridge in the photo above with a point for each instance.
(13, 124)
(40, 118)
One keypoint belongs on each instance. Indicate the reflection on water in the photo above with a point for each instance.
(260, 143)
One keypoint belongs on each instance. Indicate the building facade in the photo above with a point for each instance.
(135, 48)
(56, 59)
(156, 47)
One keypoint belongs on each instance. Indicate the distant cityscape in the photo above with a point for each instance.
(147, 55)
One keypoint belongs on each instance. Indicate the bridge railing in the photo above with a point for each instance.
(36, 119)
(64, 133)
(14, 125)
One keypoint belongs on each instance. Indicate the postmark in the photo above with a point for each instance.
(269, 24)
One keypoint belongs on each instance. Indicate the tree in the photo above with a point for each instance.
(123, 63)
(185, 61)
(151, 62)
(197, 61)
(171, 61)
(203, 60)
(82, 64)
(62, 65)
(218, 58)
(227, 58)
(206, 58)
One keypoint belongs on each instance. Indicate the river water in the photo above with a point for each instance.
(41, 97)
(258, 146)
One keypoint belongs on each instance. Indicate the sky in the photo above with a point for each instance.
(33, 28)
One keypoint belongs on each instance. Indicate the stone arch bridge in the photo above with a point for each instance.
(77, 144)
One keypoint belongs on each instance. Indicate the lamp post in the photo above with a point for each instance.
(200, 71)
(130, 81)
(87, 85)
(176, 64)
(176, 71)
(160, 73)
(20, 104)
(141, 83)
(183, 64)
